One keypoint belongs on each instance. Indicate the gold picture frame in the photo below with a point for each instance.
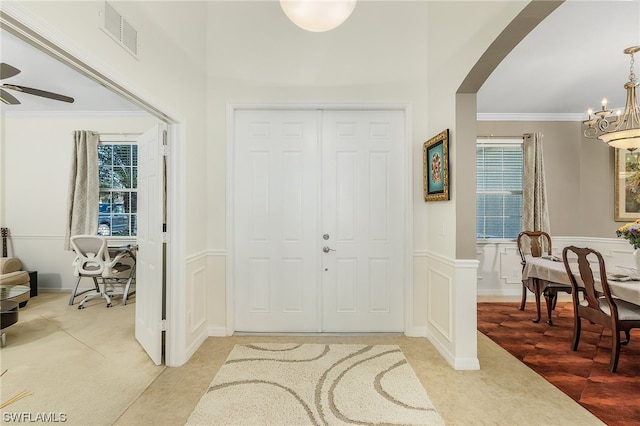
(435, 165)
(627, 185)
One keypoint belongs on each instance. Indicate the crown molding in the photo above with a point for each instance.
(73, 114)
(530, 117)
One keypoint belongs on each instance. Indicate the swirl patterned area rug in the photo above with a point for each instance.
(315, 384)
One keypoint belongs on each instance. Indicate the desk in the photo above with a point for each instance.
(554, 271)
(127, 251)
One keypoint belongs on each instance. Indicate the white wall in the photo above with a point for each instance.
(401, 52)
(459, 33)
(410, 52)
(256, 55)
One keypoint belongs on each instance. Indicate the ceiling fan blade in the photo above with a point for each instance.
(7, 98)
(7, 71)
(38, 92)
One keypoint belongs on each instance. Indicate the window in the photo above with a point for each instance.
(118, 175)
(499, 188)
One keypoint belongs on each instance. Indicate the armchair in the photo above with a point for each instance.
(12, 275)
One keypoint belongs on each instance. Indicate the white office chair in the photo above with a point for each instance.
(93, 260)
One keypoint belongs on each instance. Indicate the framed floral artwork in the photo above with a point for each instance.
(435, 163)
(627, 185)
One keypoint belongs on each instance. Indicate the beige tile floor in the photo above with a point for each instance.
(503, 392)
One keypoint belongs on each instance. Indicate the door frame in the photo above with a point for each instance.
(407, 189)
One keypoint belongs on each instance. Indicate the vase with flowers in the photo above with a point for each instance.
(631, 232)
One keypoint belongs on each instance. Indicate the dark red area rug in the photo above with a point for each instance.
(583, 375)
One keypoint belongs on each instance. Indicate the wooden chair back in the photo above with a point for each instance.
(591, 307)
(535, 243)
(599, 306)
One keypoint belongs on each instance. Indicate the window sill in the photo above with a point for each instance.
(486, 241)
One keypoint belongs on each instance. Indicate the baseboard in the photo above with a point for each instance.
(190, 350)
(455, 363)
(466, 364)
(416, 332)
(216, 331)
(500, 292)
(54, 290)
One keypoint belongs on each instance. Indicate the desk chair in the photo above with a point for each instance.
(93, 260)
(537, 244)
(598, 307)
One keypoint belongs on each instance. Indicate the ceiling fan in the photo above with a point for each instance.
(7, 71)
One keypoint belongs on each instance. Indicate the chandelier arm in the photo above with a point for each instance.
(629, 119)
(623, 131)
(590, 132)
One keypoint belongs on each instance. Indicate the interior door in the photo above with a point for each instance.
(149, 266)
(309, 181)
(363, 221)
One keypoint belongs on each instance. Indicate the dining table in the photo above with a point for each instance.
(624, 282)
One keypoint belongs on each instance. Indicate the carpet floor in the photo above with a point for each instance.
(584, 374)
(315, 384)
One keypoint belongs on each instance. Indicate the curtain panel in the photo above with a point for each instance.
(83, 196)
(535, 214)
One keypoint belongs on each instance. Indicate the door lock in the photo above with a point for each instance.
(327, 249)
(325, 237)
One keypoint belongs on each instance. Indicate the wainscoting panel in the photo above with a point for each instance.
(216, 285)
(197, 312)
(451, 309)
(440, 306)
(196, 301)
(510, 267)
(500, 272)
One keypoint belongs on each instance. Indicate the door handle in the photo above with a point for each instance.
(327, 249)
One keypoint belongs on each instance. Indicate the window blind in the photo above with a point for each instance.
(499, 190)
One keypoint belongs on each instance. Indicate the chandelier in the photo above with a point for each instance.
(318, 15)
(622, 129)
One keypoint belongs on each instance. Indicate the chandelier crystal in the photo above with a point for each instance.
(318, 15)
(622, 129)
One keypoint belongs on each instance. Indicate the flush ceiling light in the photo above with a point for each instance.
(318, 15)
(623, 131)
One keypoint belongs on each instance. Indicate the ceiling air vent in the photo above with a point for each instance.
(119, 29)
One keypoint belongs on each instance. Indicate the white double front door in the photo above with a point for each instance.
(318, 221)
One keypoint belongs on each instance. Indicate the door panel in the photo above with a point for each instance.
(363, 205)
(149, 262)
(276, 262)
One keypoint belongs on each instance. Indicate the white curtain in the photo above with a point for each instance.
(535, 215)
(82, 201)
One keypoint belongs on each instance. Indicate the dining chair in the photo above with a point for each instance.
(537, 244)
(598, 306)
(93, 261)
